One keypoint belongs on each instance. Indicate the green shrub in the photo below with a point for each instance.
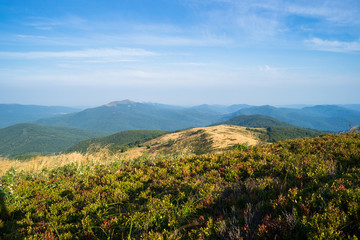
(302, 189)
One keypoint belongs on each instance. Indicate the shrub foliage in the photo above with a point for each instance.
(302, 189)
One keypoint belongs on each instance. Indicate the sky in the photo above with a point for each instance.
(180, 52)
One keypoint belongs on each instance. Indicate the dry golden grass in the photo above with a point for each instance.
(39, 163)
(182, 143)
(225, 136)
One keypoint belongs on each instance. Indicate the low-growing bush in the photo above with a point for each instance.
(301, 189)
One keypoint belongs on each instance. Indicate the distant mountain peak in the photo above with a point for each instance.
(123, 102)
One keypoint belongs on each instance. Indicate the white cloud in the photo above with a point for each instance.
(266, 68)
(194, 64)
(87, 53)
(180, 40)
(337, 12)
(345, 11)
(333, 46)
(44, 23)
(263, 19)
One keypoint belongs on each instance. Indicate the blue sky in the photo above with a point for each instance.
(182, 52)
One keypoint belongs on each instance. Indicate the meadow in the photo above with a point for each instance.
(307, 188)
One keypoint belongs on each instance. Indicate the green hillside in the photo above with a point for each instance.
(116, 140)
(276, 130)
(274, 134)
(295, 189)
(31, 138)
(256, 121)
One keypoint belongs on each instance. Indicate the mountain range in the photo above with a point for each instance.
(54, 129)
(128, 115)
(322, 117)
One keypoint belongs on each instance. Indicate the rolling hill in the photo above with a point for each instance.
(355, 107)
(128, 115)
(217, 138)
(256, 121)
(136, 143)
(323, 117)
(11, 114)
(117, 139)
(275, 130)
(219, 109)
(197, 141)
(30, 138)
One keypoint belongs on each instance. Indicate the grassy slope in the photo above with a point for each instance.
(300, 189)
(117, 139)
(192, 141)
(196, 141)
(31, 138)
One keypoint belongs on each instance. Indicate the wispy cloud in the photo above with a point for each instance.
(263, 20)
(333, 46)
(178, 40)
(191, 64)
(157, 37)
(266, 68)
(345, 11)
(45, 23)
(88, 53)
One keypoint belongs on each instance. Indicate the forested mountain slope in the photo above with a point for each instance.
(30, 138)
(128, 115)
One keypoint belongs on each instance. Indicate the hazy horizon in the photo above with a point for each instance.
(81, 107)
(180, 52)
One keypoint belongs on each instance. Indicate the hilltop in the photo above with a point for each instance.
(136, 143)
(196, 141)
(216, 139)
